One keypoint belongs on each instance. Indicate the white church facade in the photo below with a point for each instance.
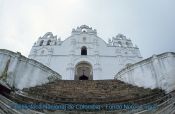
(84, 55)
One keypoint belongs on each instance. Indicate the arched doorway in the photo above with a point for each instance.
(83, 77)
(83, 71)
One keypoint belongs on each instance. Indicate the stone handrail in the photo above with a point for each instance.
(155, 72)
(19, 72)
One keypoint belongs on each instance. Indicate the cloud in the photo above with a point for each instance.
(145, 22)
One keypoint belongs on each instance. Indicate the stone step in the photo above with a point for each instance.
(105, 89)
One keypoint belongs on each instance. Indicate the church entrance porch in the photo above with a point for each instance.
(83, 71)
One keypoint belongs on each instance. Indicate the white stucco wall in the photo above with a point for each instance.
(157, 71)
(20, 72)
(106, 59)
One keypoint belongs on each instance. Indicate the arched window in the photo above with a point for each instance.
(41, 43)
(83, 50)
(119, 44)
(127, 44)
(48, 42)
(84, 30)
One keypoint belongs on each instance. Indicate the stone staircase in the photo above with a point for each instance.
(99, 91)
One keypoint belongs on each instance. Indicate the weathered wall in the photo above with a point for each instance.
(20, 72)
(156, 71)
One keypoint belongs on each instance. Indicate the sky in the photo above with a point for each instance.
(150, 24)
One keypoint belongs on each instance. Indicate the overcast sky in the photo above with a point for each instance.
(150, 24)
